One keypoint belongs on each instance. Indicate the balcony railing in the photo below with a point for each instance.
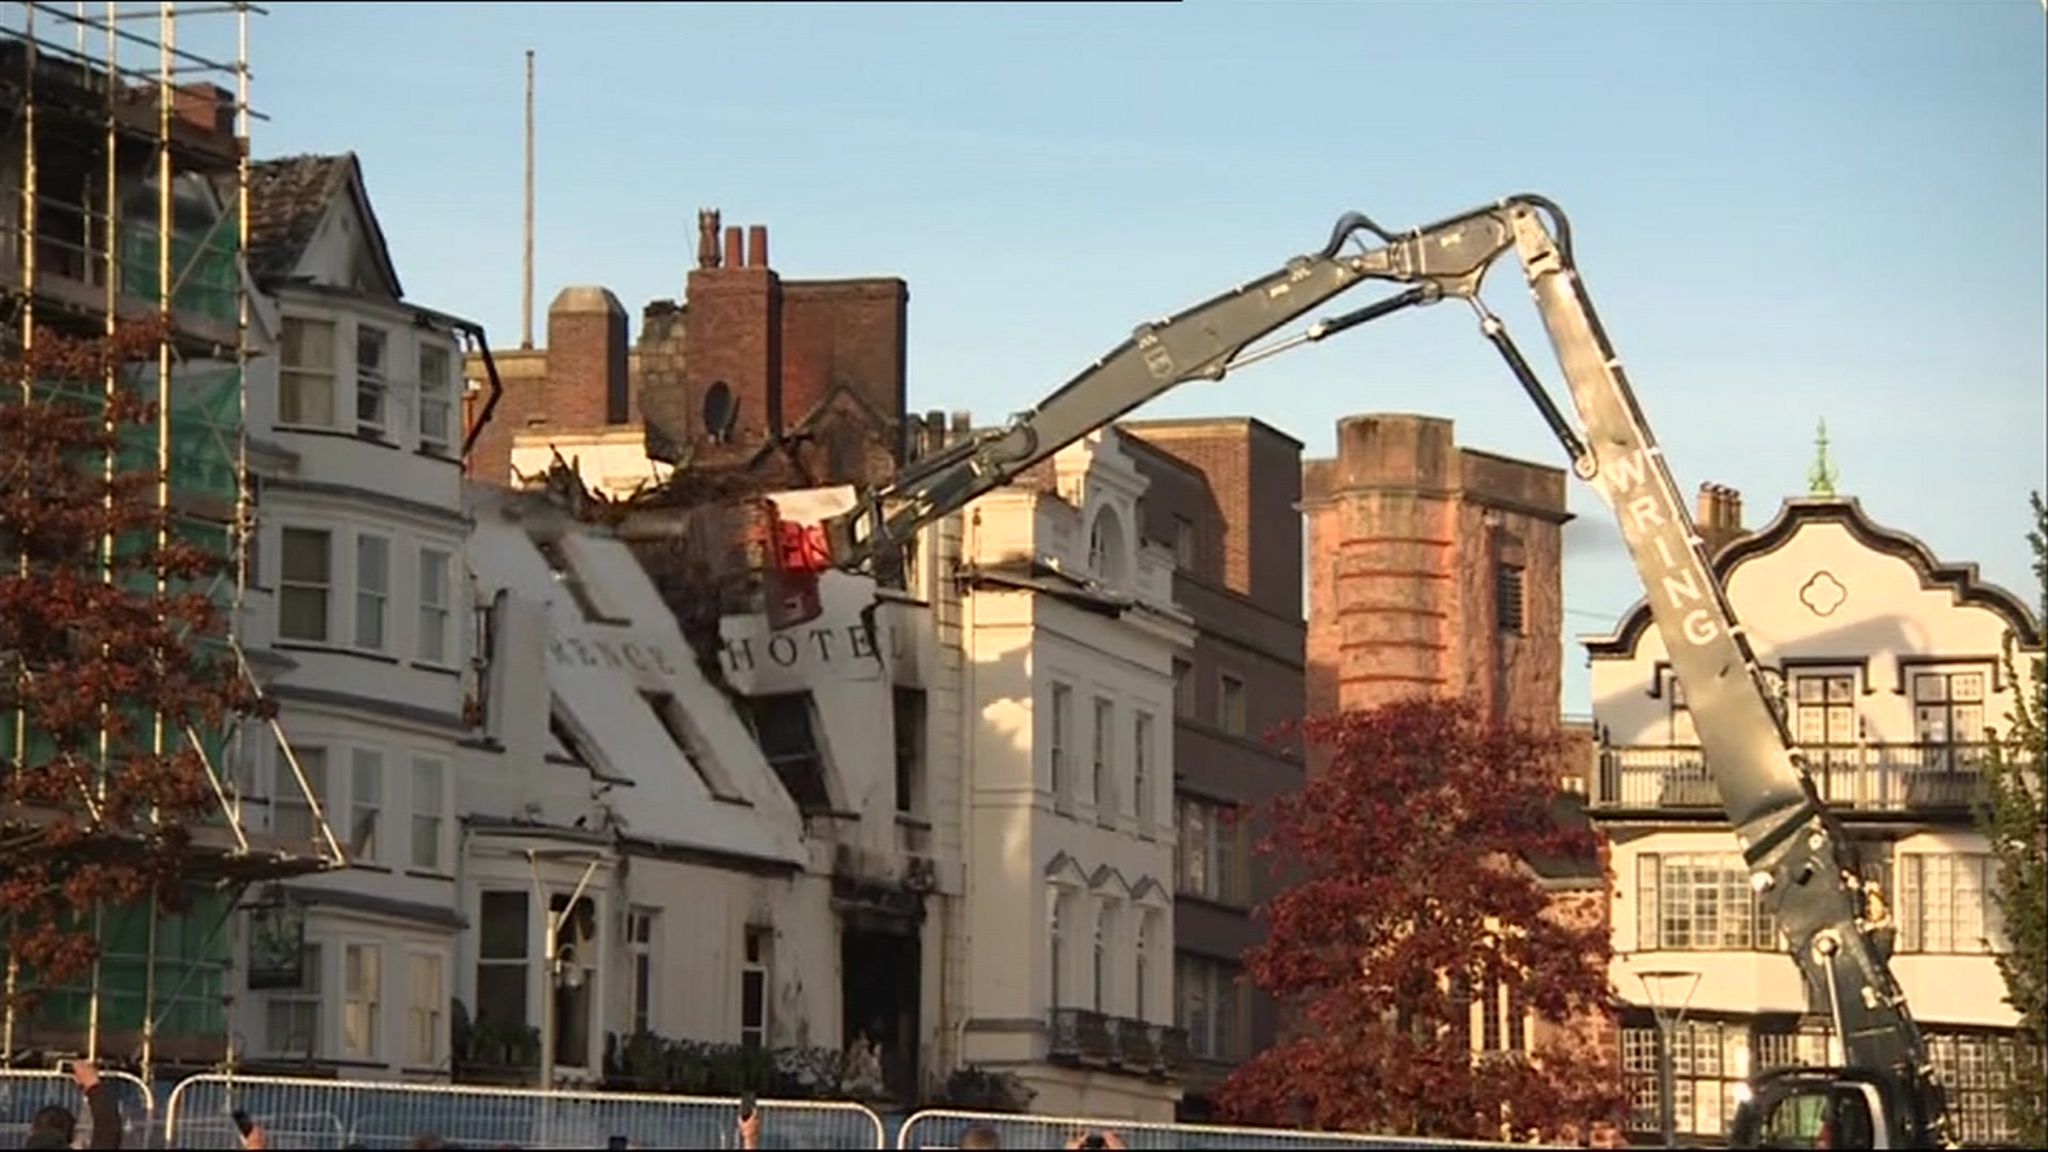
(1136, 1047)
(1864, 778)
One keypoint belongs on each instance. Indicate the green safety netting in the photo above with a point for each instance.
(185, 978)
(205, 276)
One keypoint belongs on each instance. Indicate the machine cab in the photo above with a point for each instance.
(1825, 1108)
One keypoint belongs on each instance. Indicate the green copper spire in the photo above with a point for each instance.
(1820, 479)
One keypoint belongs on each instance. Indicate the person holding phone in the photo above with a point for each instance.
(750, 1122)
(56, 1126)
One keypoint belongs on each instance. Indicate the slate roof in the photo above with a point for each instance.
(288, 197)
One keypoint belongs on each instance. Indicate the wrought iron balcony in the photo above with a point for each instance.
(1871, 778)
(1135, 1047)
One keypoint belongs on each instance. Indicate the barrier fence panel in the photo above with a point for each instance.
(24, 1092)
(298, 1113)
(939, 1128)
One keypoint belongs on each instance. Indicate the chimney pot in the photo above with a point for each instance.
(735, 248)
(1706, 506)
(963, 422)
(757, 246)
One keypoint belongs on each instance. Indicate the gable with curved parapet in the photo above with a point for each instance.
(1825, 589)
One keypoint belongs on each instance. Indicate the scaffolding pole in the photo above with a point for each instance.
(61, 76)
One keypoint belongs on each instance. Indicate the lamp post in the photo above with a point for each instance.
(559, 964)
(1667, 1023)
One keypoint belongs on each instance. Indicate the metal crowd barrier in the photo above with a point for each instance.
(24, 1092)
(303, 1113)
(939, 1128)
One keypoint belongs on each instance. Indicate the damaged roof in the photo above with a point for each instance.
(288, 198)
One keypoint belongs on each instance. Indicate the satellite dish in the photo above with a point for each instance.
(720, 412)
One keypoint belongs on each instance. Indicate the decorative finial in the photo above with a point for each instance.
(1820, 479)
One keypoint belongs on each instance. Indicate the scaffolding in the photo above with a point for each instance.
(125, 158)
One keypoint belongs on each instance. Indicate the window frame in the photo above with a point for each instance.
(436, 606)
(363, 1005)
(1185, 551)
(1233, 709)
(1102, 760)
(1142, 730)
(425, 1021)
(428, 825)
(522, 964)
(436, 395)
(911, 707)
(1210, 839)
(304, 584)
(365, 843)
(1059, 917)
(757, 963)
(309, 997)
(1511, 598)
(1216, 1023)
(1916, 915)
(1102, 974)
(642, 989)
(300, 380)
(287, 796)
(1655, 931)
(373, 383)
(1060, 709)
(372, 600)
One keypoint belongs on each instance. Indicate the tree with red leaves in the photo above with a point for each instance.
(105, 660)
(1405, 891)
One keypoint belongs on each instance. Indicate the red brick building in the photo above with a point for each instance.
(798, 380)
(1437, 568)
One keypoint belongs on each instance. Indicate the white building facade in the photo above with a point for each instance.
(630, 862)
(356, 630)
(1067, 635)
(1888, 665)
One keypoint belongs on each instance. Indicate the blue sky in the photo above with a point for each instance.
(1785, 211)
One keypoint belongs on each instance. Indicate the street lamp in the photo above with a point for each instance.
(560, 966)
(1668, 1021)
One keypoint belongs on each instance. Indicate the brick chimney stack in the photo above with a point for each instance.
(735, 251)
(587, 384)
(1720, 516)
(757, 246)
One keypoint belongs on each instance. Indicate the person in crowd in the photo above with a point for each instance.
(55, 1126)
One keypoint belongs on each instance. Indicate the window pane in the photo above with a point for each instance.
(501, 994)
(307, 344)
(304, 556)
(302, 614)
(503, 933)
(373, 564)
(753, 1002)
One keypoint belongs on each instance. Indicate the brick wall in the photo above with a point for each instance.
(1409, 533)
(832, 353)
